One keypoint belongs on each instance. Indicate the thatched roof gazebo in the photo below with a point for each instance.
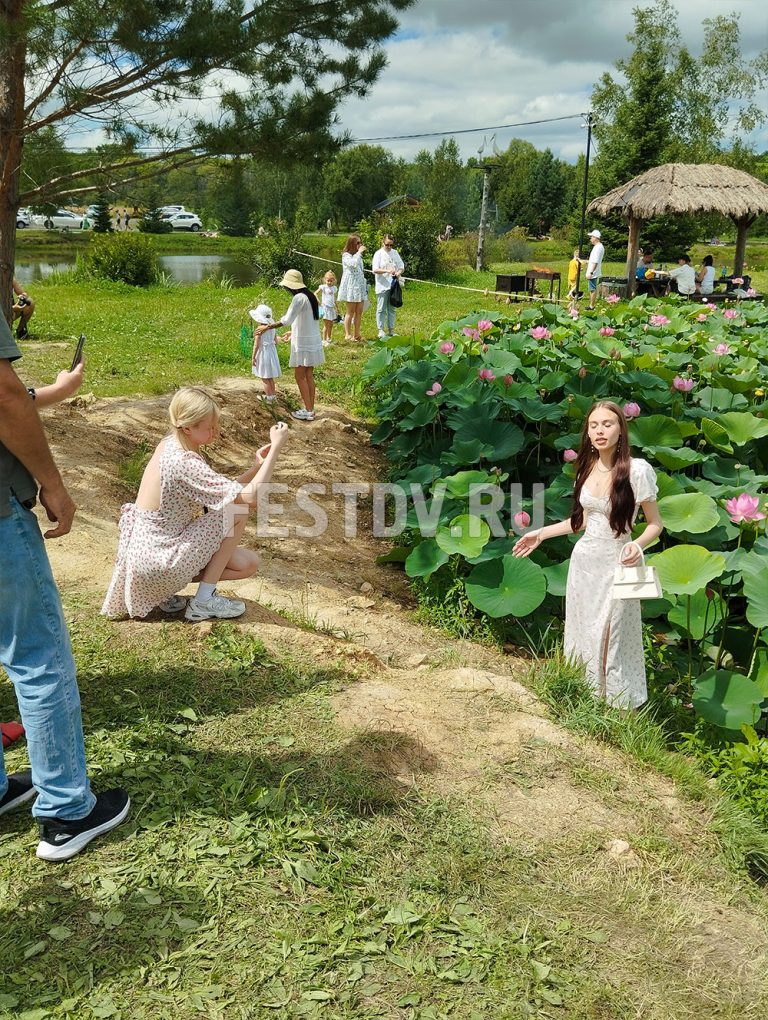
(677, 188)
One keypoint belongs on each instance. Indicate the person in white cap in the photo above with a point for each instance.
(306, 346)
(265, 363)
(594, 266)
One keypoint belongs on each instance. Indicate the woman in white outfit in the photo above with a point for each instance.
(303, 317)
(603, 633)
(353, 289)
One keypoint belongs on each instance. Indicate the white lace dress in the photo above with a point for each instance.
(353, 286)
(602, 633)
(161, 551)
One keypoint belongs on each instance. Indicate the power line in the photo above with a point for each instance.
(469, 131)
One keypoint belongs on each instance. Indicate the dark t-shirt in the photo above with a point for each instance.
(14, 477)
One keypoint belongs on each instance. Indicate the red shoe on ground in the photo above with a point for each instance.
(11, 731)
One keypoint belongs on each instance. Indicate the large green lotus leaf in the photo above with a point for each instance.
(398, 554)
(502, 362)
(705, 614)
(642, 382)
(500, 440)
(466, 534)
(462, 452)
(557, 576)
(460, 483)
(425, 559)
(742, 427)
(746, 380)
(655, 430)
(553, 380)
(723, 470)
(684, 569)
(510, 586)
(756, 592)
(375, 365)
(481, 414)
(716, 435)
(729, 700)
(420, 416)
(719, 399)
(690, 511)
(415, 378)
(495, 549)
(608, 347)
(668, 485)
(676, 459)
(458, 374)
(537, 410)
(760, 670)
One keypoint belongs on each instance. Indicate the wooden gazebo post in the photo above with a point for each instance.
(633, 243)
(742, 226)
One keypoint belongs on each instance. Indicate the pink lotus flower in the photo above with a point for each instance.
(607, 331)
(508, 380)
(569, 456)
(702, 317)
(574, 313)
(522, 519)
(730, 313)
(682, 384)
(486, 374)
(471, 333)
(434, 389)
(751, 292)
(708, 304)
(738, 280)
(743, 509)
(484, 325)
(722, 349)
(582, 372)
(447, 347)
(631, 410)
(660, 320)
(540, 333)
(612, 299)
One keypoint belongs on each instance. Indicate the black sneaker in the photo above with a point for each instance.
(20, 789)
(22, 332)
(61, 839)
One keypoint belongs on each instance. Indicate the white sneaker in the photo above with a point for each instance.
(217, 607)
(174, 604)
(269, 397)
(303, 415)
(327, 343)
(382, 335)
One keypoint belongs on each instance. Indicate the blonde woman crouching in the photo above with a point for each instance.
(187, 521)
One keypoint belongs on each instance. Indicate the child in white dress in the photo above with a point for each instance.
(603, 633)
(188, 520)
(265, 363)
(326, 295)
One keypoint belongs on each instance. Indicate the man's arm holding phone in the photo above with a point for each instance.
(66, 385)
(22, 433)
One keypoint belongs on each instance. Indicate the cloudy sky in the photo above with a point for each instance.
(471, 63)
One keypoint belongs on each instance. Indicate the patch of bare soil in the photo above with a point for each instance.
(436, 711)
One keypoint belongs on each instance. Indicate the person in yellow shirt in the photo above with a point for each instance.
(573, 274)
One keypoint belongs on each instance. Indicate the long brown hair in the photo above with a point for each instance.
(353, 243)
(621, 494)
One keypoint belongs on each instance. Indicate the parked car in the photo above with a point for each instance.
(23, 218)
(63, 219)
(184, 221)
(169, 210)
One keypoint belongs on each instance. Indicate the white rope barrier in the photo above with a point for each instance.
(487, 292)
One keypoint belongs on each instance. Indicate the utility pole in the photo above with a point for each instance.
(486, 168)
(589, 120)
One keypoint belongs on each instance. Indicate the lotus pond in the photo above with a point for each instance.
(493, 404)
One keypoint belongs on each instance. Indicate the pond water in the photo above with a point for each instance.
(185, 269)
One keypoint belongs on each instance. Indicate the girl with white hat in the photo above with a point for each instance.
(265, 363)
(306, 346)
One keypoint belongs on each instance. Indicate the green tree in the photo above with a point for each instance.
(548, 191)
(233, 203)
(445, 182)
(356, 180)
(511, 183)
(102, 219)
(133, 66)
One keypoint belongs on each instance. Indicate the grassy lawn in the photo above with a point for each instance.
(271, 868)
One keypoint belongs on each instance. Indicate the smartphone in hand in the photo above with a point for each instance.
(78, 353)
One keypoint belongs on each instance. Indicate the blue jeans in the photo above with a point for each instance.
(36, 653)
(385, 313)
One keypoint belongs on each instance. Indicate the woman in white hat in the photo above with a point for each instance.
(265, 363)
(306, 346)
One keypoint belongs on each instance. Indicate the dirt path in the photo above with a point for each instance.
(443, 715)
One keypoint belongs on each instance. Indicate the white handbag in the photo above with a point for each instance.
(636, 582)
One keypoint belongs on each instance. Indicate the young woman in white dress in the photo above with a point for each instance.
(353, 288)
(602, 633)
